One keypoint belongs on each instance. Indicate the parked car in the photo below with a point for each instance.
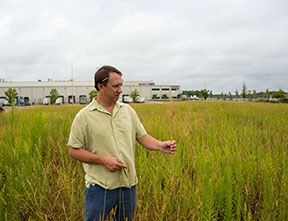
(46, 101)
(140, 99)
(127, 99)
(59, 101)
(4, 101)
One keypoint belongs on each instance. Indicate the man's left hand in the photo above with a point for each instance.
(168, 146)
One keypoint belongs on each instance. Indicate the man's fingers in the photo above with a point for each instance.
(121, 164)
(173, 144)
(114, 164)
(119, 161)
(118, 167)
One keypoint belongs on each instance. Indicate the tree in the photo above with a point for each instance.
(204, 93)
(278, 94)
(249, 93)
(244, 91)
(230, 96)
(260, 94)
(134, 95)
(164, 96)
(93, 94)
(236, 93)
(53, 96)
(210, 94)
(267, 94)
(11, 94)
(154, 96)
(191, 93)
(254, 94)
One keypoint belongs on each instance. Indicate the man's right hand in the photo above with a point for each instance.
(112, 163)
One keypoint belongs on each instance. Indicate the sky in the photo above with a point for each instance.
(214, 44)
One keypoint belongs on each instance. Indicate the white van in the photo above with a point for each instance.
(4, 101)
(59, 101)
(46, 101)
(140, 99)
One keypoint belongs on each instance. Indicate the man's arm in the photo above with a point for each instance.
(111, 163)
(151, 143)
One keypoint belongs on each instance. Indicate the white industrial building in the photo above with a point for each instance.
(36, 92)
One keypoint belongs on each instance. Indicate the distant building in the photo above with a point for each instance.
(78, 91)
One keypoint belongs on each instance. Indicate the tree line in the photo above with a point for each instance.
(245, 94)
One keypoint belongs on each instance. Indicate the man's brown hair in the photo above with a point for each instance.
(102, 75)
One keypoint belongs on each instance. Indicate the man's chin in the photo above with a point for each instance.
(117, 98)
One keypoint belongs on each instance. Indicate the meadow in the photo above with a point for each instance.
(231, 163)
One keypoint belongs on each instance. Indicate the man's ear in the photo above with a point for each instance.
(99, 86)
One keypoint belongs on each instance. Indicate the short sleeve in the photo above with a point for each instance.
(140, 130)
(76, 137)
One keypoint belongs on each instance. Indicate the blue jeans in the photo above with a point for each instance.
(98, 203)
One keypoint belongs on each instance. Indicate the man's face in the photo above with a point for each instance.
(113, 88)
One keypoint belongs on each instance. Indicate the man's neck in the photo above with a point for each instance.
(108, 105)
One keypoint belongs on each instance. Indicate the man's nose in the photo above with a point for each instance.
(120, 90)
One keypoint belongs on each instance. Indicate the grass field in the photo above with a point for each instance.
(231, 163)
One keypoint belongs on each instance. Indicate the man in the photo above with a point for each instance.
(103, 136)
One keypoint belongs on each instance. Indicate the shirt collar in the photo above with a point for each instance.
(94, 105)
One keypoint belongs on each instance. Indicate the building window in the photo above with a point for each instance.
(71, 99)
(155, 89)
(82, 99)
(174, 89)
(165, 89)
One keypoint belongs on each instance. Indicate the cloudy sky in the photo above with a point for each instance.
(213, 44)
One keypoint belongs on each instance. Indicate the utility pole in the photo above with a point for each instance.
(72, 84)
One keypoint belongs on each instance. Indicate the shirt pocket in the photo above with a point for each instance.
(98, 136)
(124, 124)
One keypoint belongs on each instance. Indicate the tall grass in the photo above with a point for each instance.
(38, 179)
(231, 163)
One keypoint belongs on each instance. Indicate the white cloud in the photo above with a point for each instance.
(214, 43)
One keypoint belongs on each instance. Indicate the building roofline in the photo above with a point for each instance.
(16, 84)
